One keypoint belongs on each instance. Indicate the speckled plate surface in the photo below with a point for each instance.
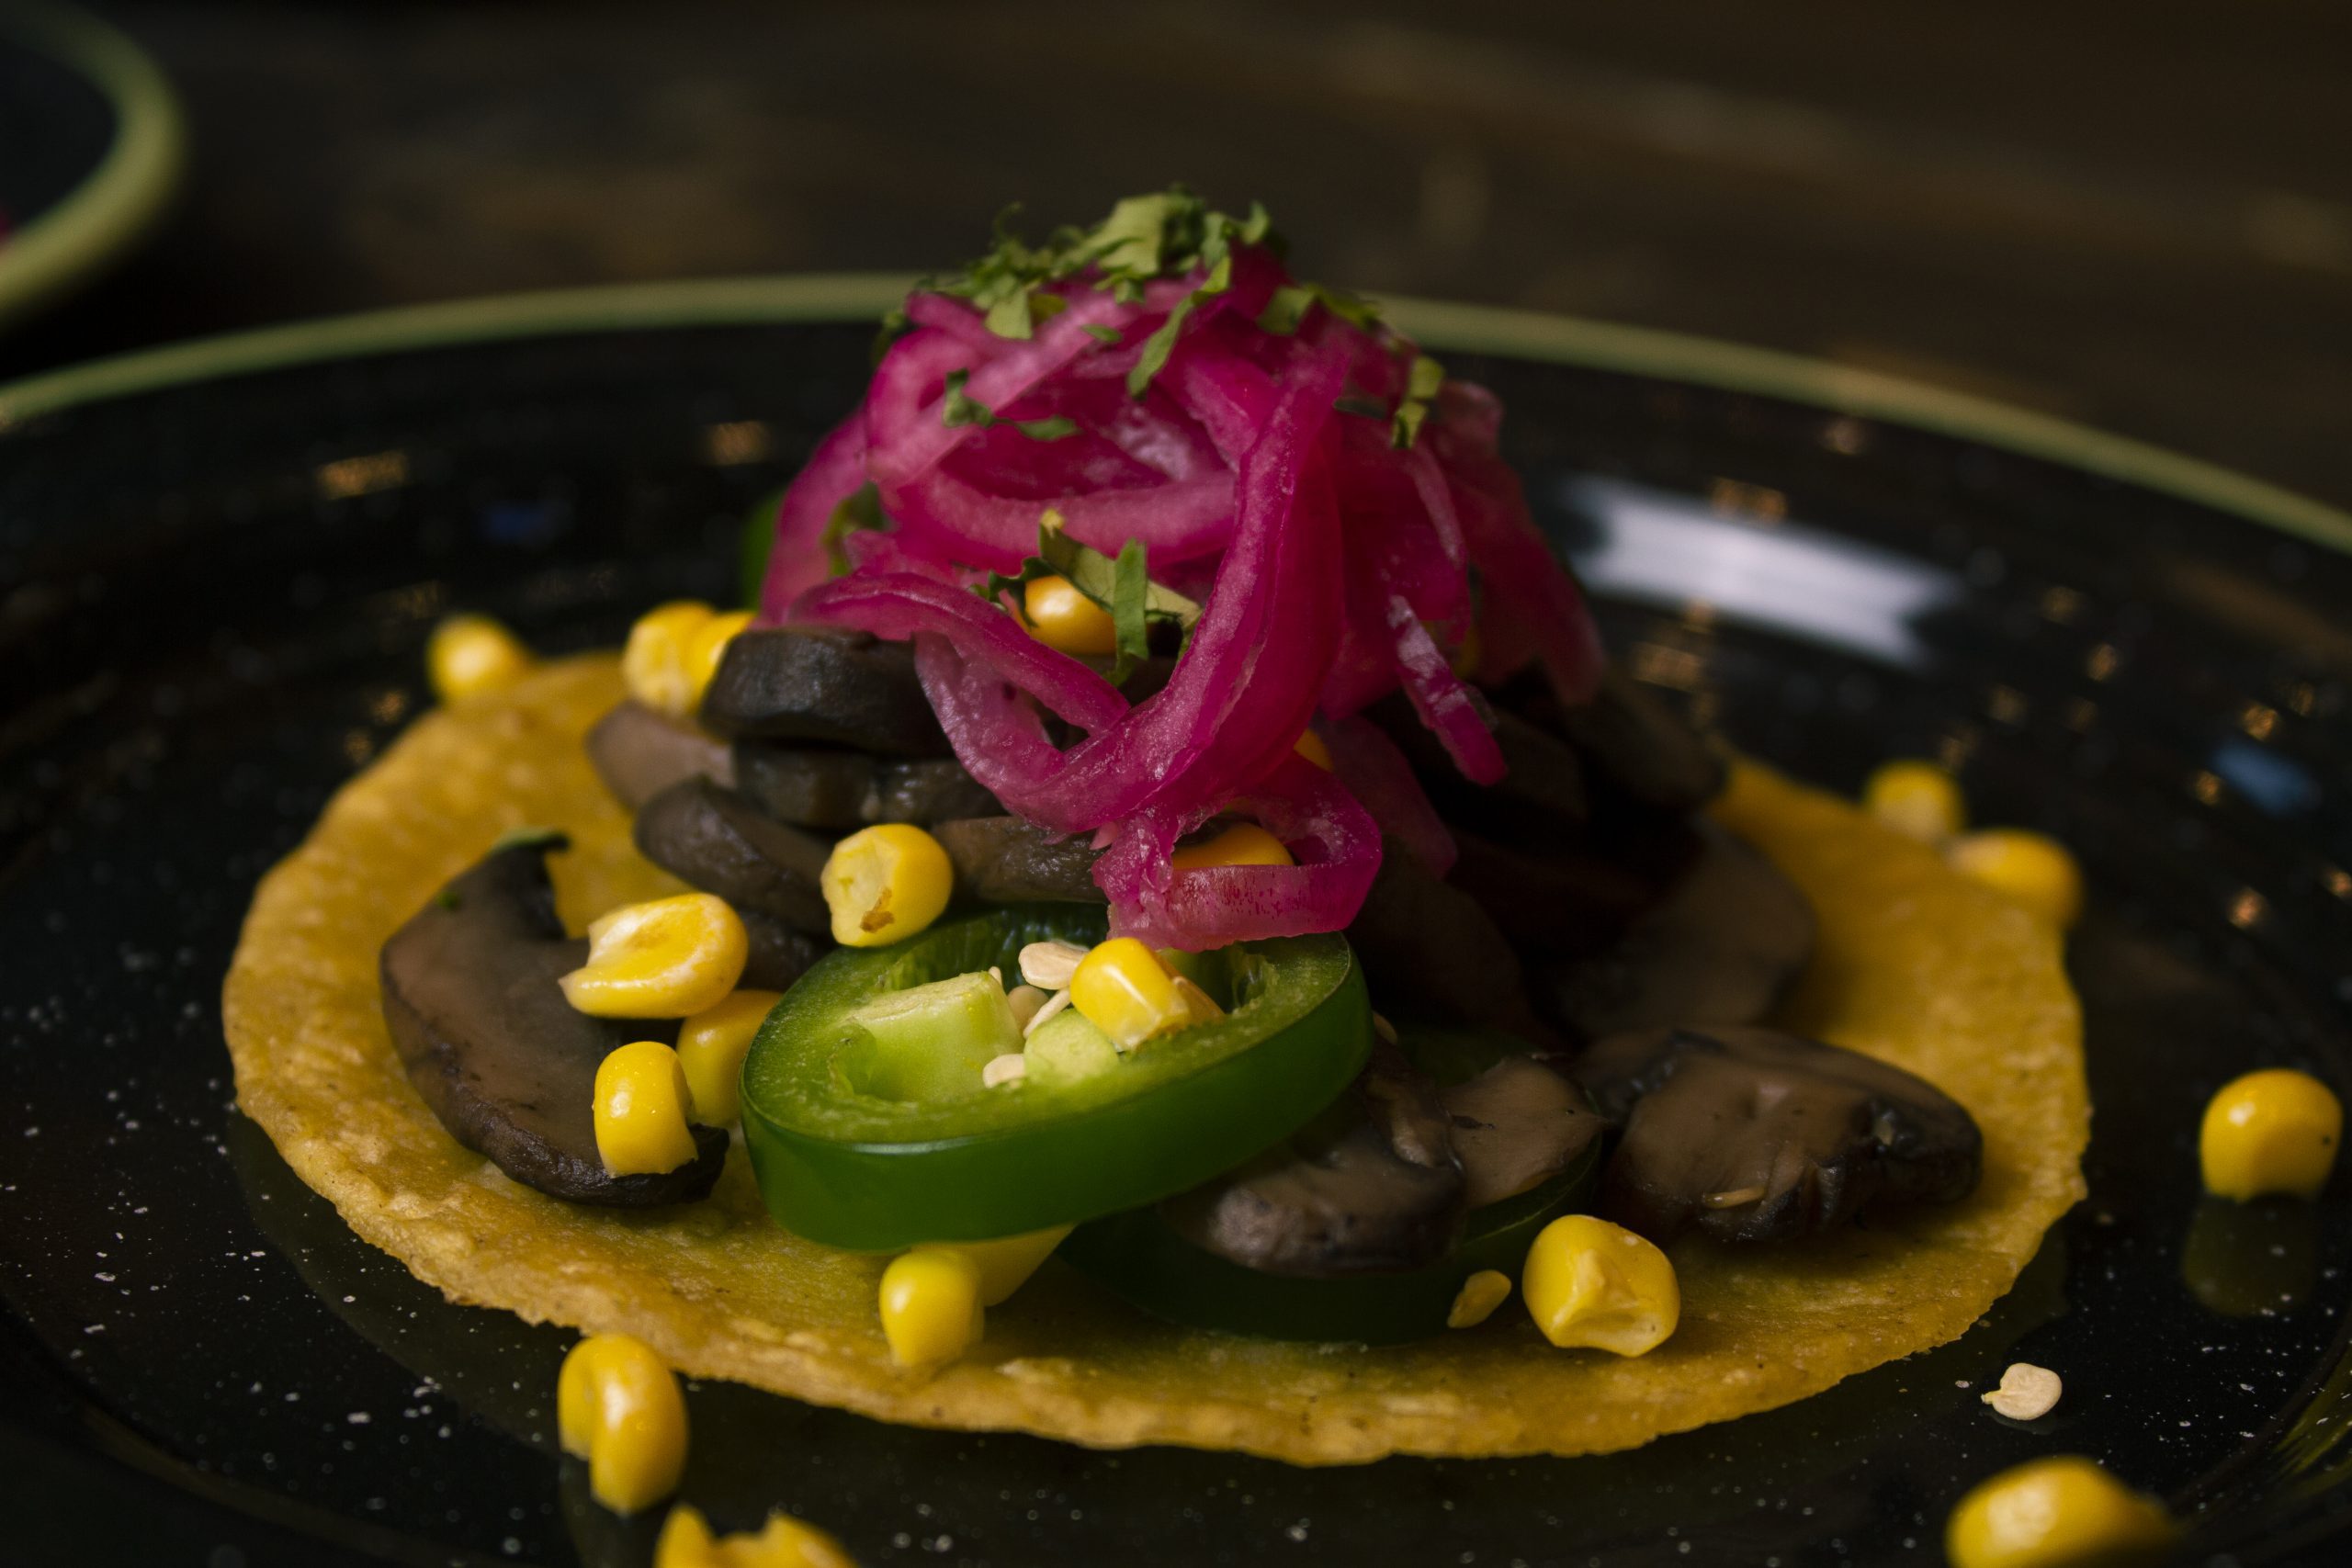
(216, 566)
(90, 147)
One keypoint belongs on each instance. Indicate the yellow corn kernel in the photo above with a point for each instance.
(1244, 843)
(782, 1542)
(704, 648)
(669, 958)
(1126, 991)
(471, 656)
(617, 1406)
(641, 1101)
(2273, 1132)
(2031, 868)
(1314, 748)
(931, 1309)
(2059, 1512)
(658, 663)
(1060, 617)
(711, 1047)
(1006, 1263)
(886, 883)
(1589, 1284)
(1480, 1295)
(1916, 799)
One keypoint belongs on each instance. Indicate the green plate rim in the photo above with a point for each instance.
(1526, 335)
(106, 213)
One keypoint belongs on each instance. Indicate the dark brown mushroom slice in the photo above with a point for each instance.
(1515, 1126)
(638, 753)
(1371, 1186)
(822, 685)
(1006, 859)
(1723, 946)
(818, 787)
(499, 1054)
(778, 954)
(714, 839)
(1751, 1135)
(1573, 896)
(1430, 951)
(1641, 746)
(1542, 773)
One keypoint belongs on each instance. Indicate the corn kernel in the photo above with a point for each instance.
(618, 1407)
(930, 1306)
(886, 883)
(1589, 1284)
(1244, 843)
(2035, 869)
(1060, 617)
(2273, 1132)
(1479, 1296)
(2060, 1512)
(1314, 748)
(711, 1047)
(1006, 1263)
(471, 656)
(1916, 799)
(657, 664)
(704, 648)
(1124, 990)
(782, 1542)
(669, 958)
(641, 1100)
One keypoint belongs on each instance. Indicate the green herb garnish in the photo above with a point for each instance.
(1120, 585)
(960, 409)
(1421, 384)
(859, 512)
(1167, 234)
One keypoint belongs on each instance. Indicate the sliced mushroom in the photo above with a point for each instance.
(720, 842)
(822, 685)
(1542, 772)
(500, 1057)
(1572, 897)
(779, 955)
(1515, 1126)
(1634, 743)
(1372, 1186)
(638, 753)
(1429, 949)
(1722, 946)
(1749, 1134)
(814, 787)
(1005, 860)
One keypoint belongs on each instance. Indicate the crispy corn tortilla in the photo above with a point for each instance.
(1916, 965)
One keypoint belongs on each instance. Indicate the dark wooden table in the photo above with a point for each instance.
(2139, 217)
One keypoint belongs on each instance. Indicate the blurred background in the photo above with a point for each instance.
(2139, 217)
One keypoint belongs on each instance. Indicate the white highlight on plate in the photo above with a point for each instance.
(1658, 546)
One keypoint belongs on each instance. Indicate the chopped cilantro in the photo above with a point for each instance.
(1421, 385)
(859, 512)
(1122, 586)
(961, 410)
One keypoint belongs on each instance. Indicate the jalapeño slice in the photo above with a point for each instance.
(849, 1153)
(1139, 1256)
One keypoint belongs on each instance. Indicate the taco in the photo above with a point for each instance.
(1171, 791)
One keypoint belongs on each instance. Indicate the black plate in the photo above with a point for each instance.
(90, 145)
(217, 565)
